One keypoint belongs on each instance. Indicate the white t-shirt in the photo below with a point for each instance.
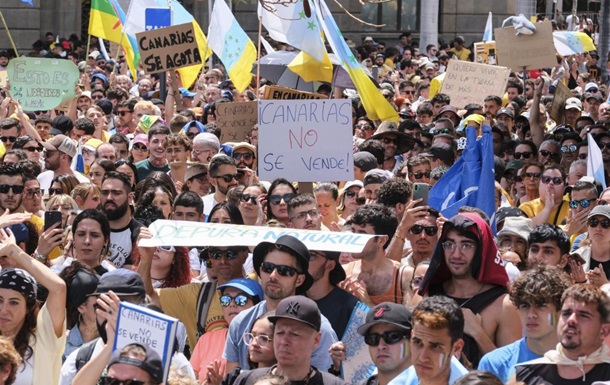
(208, 204)
(46, 178)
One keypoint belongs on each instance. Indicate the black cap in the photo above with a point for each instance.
(505, 212)
(389, 313)
(365, 161)
(152, 364)
(123, 282)
(105, 105)
(441, 151)
(298, 249)
(337, 274)
(298, 308)
(82, 285)
(62, 123)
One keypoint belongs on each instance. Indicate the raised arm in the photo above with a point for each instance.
(146, 254)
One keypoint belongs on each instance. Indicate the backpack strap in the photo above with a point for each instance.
(204, 300)
(84, 354)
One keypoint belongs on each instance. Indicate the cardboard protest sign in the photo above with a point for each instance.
(284, 93)
(467, 82)
(42, 84)
(305, 140)
(236, 120)
(562, 93)
(485, 53)
(184, 233)
(526, 51)
(168, 48)
(138, 325)
(3, 76)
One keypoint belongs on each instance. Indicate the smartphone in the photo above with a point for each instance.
(420, 190)
(578, 258)
(50, 218)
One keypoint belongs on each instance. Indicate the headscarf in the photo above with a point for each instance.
(20, 281)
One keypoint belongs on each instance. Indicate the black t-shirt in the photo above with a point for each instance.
(604, 265)
(249, 377)
(546, 374)
(337, 306)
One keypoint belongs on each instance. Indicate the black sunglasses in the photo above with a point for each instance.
(525, 155)
(245, 155)
(277, 199)
(420, 175)
(390, 338)
(603, 145)
(124, 113)
(593, 222)
(33, 149)
(140, 147)
(546, 153)
(240, 300)
(53, 191)
(582, 156)
(217, 254)
(17, 189)
(350, 193)
(115, 381)
(228, 177)
(430, 230)
(547, 179)
(532, 175)
(247, 197)
(387, 140)
(283, 270)
(11, 139)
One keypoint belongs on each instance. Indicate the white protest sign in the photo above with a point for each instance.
(467, 82)
(138, 325)
(305, 140)
(185, 233)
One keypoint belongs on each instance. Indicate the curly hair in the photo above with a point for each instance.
(382, 219)
(394, 191)
(589, 294)
(9, 356)
(180, 271)
(438, 313)
(539, 286)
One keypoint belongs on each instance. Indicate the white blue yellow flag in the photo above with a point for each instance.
(595, 162)
(489, 31)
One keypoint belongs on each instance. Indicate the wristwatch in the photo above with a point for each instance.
(39, 257)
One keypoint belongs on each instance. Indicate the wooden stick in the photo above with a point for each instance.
(88, 44)
(258, 62)
(9, 34)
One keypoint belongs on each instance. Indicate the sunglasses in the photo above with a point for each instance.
(430, 230)
(16, 188)
(168, 249)
(582, 156)
(546, 153)
(217, 254)
(593, 90)
(570, 148)
(240, 300)
(248, 198)
(115, 381)
(420, 175)
(277, 199)
(39, 112)
(556, 180)
(140, 147)
(122, 113)
(350, 193)
(408, 92)
(584, 203)
(593, 222)
(261, 339)
(53, 191)
(603, 145)
(283, 270)
(525, 155)
(32, 193)
(365, 127)
(228, 177)
(532, 175)
(387, 140)
(245, 155)
(390, 338)
(33, 149)
(517, 178)
(191, 135)
(11, 139)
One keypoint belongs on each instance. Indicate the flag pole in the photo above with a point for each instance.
(258, 62)
(88, 44)
(9, 35)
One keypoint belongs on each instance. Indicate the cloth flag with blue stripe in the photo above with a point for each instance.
(232, 45)
(29, 2)
(470, 181)
(78, 162)
(488, 35)
(595, 162)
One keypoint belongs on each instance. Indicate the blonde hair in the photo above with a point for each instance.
(61, 199)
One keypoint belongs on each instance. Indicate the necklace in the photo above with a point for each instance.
(477, 293)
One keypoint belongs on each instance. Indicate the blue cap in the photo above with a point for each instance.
(186, 93)
(248, 286)
(100, 76)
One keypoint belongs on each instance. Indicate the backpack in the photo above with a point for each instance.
(204, 301)
(84, 354)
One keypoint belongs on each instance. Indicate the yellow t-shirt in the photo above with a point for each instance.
(464, 54)
(533, 208)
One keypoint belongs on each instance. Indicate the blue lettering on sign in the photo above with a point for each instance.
(155, 18)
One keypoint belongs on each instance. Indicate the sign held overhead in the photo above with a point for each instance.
(170, 48)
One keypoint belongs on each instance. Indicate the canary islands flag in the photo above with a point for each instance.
(376, 106)
(232, 45)
(106, 21)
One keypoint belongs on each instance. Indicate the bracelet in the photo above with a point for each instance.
(399, 237)
(39, 257)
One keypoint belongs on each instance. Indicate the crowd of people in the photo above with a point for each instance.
(448, 300)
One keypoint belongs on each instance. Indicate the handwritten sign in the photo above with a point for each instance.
(138, 325)
(42, 84)
(305, 140)
(467, 82)
(284, 93)
(235, 120)
(526, 51)
(485, 52)
(562, 93)
(168, 48)
(184, 233)
(3, 76)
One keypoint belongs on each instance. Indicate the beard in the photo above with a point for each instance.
(116, 213)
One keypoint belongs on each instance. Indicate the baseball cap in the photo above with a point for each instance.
(248, 286)
(208, 140)
(337, 274)
(86, 94)
(61, 143)
(506, 111)
(603, 210)
(441, 151)
(590, 86)
(376, 175)
(297, 249)
(353, 183)
(506, 212)
(82, 284)
(448, 108)
(572, 103)
(123, 282)
(389, 313)
(186, 93)
(298, 308)
(365, 161)
(62, 123)
(94, 54)
(194, 170)
(519, 226)
(368, 38)
(245, 145)
(140, 138)
(514, 165)
(151, 364)
(595, 96)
